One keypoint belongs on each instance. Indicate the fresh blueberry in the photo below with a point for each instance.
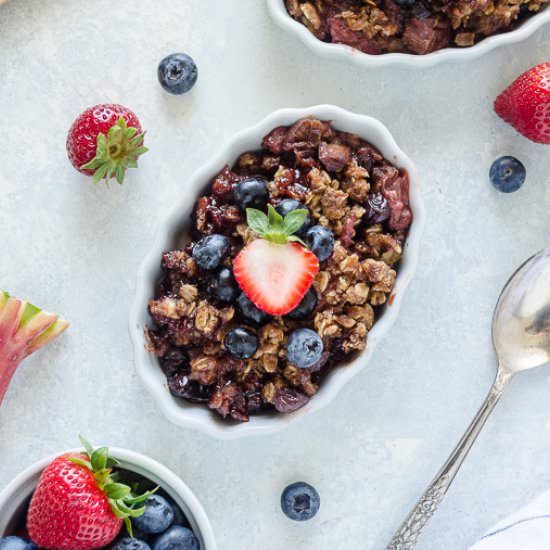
(127, 543)
(300, 501)
(306, 306)
(223, 286)
(250, 312)
(251, 193)
(241, 343)
(304, 348)
(289, 205)
(320, 240)
(158, 515)
(507, 174)
(176, 538)
(177, 73)
(16, 543)
(378, 209)
(209, 251)
(179, 517)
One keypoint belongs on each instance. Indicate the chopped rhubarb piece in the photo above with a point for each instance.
(24, 328)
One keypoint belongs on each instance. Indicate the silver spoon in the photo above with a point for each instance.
(521, 338)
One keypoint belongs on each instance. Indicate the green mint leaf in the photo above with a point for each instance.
(294, 220)
(257, 221)
(116, 491)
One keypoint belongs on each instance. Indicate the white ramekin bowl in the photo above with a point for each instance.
(15, 497)
(170, 234)
(342, 52)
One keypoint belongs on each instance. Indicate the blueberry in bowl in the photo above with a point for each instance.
(317, 259)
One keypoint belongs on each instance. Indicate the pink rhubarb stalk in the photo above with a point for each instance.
(24, 328)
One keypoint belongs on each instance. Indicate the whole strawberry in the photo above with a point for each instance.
(78, 505)
(525, 104)
(104, 141)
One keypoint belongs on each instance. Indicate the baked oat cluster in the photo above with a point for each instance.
(411, 26)
(347, 187)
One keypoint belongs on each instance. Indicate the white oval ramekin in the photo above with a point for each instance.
(199, 417)
(342, 52)
(15, 497)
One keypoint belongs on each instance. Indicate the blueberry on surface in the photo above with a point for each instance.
(304, 348)
(158, 515)
(127, 543)
(241, 343)
(251, 193)
(289, 205)
(16, 543)
(306, 305)
(177, 73)
(507, 174)
(210, 251)
(300, 501)
(320, 241)
(176, 538)
(250, 312)
(223, 286)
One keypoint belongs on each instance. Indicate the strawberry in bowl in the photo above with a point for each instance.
(291, 258)
(86, 499)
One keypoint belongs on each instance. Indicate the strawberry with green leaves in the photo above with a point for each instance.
(276, 270)
(104, 141)
(79, 504)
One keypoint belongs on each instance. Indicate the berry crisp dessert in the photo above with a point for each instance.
(293, 251)
(409, 26)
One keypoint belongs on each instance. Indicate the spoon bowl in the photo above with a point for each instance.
(521, 338)
(521, 324)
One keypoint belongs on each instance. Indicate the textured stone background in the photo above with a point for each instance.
(74, 248)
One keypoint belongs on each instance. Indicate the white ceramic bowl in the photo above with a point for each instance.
(14, 498)
(342, 52)
(170, 234)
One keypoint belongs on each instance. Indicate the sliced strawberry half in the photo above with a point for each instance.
(275, 276)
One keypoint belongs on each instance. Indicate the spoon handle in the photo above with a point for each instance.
(407, 535)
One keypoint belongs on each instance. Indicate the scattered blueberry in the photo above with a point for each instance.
(158, 515)
(320, 241)
(306, 306)
(507, 174)
(16, 543)
(250, 312)
(378, 209)
(223, 286)
(300, 501)
(304, 348)
(241, 343)
(176, 538)
(177, 73)
(209, 251)
(251, 193)
(289, 205)
(127, 543)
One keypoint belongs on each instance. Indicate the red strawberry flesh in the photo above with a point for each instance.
(275, 276)
(525, 104)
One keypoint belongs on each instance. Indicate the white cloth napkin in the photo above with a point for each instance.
(528, 529)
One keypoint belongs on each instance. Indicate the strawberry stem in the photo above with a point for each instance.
(273, 227)
(115, 152)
